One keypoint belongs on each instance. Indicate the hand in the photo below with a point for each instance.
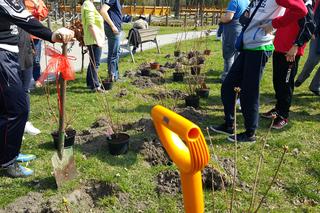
(115, 31)
(291, 54)
(313, 37)
(268, 28)
(62, 35)
(36, 3)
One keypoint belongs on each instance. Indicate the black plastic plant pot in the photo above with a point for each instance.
(203, 93)
(107, 85)
(119, 144)
(193, 101)
(69, 139)
(145, 72)
(178, 76)
(195, 70)
(177, 53)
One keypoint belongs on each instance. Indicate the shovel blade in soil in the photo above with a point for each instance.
(64, 169)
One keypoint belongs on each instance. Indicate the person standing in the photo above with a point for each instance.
(39, 10)
(94, 39)
(246, 71)
(313, 57)
(289, 45)
(231, 30)
(112, 14)
(13, 100)
(26, 67)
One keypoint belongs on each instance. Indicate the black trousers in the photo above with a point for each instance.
(283, 90)
(13, 108)
(246, 73)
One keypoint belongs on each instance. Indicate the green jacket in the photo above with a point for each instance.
(90, 16)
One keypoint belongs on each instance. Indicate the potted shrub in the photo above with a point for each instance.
(195, 70)
(192, 99)
(203, 90)
(207, 51)
(178, 75)
(70, 133)
(118, 142)
(107, 83)
(177, 47)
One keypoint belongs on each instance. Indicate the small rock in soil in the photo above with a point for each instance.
(295, 152)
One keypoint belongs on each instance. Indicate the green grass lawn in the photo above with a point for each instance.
(297, 188)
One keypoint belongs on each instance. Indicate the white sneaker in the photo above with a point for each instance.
(30, 129)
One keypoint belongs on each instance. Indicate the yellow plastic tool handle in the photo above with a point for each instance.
(192, 154)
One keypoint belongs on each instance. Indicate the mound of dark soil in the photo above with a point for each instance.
(143, 82)
(130, 74)
(123, 92)
(155, 154)
(84, 199)
(143, 125)
(174, 94)
(192, 114)
(168, 182)
(94, 140)
(211, 176)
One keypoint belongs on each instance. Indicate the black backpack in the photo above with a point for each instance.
(307, 27)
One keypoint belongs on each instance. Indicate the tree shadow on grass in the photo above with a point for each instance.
(140, 108)
(43, 184)
(97, 146)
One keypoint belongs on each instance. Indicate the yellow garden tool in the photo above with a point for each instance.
(187, 147)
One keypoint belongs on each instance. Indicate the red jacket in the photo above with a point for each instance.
(288, 31)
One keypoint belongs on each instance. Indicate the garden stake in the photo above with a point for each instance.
(187, 147)
(63, 162)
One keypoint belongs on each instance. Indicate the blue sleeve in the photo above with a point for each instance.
(232, 6)
(110, 2)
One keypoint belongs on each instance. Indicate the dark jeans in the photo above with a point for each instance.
(113, 53)
(229, 36)
(246, 73)
(36, 59)
(283, 90)
(13, 108)
(312, 61)
(92, 72)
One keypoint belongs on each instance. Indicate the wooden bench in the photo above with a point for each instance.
(147, 35)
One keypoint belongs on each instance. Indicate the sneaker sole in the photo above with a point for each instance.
(218, 131)
(278, 128)
(264, 116)
(232, 140)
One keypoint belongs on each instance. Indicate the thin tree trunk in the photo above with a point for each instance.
(177, 9)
